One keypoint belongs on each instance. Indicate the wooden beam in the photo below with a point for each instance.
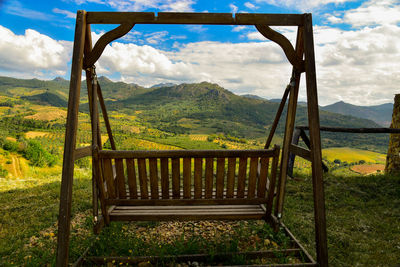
(108, 37)
(116, 154)
(269, 19)
(194, 18)
(353, 130)
(295, 141)
(315, 140)
(64, 217)
(294, 59)
(82, 152)
(290, 120)
(277, 117)
(188, 203)
(105, 116)
(101, 260)
(299, 151)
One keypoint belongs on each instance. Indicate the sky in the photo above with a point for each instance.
(357, 46)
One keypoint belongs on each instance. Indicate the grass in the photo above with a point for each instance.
(362, 218)
(352, 155)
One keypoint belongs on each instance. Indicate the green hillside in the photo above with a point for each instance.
(198, 108)
(381, 114)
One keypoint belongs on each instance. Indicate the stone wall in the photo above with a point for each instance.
(393, 155)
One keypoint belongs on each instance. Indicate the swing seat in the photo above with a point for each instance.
(187, 184)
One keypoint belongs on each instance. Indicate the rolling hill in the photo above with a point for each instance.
(381, 114)
(192, 109)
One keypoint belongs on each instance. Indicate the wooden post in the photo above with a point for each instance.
(277, 117)
(290, 120)
(315, 142)
(89, 81)
(292, 156)
(64, 217)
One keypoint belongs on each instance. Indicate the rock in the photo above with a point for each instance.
(393, 155)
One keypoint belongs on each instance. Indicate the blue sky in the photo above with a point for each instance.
(357, 46)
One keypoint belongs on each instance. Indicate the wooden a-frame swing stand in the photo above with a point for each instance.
(148, 185)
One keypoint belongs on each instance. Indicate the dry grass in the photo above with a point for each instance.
(366, 169)
(45, 113)
(34, 134)
(198, 137)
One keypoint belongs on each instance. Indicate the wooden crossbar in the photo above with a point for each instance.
(195, 18)
(115, 154)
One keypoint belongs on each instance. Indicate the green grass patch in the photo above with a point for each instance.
(362, 218)
(353, 155)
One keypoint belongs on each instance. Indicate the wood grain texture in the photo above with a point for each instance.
(209, 171)
(105, 116)
(187, 176)
(109, 178)
(176, 186)
(164, 178)
(230, 178)
(272, 182)
(220, 177)
(252, 181)
(315, 139)
(82, 152)
(104, 40)
(277, 117)
(218, 153)
(144, 190)
(153, 178)
(285, 44)
(198, 172)
(64, 219)
(130, 166)
(241, 177)
(289, 127)
(120, 178)
(195, 18)
(262, 179)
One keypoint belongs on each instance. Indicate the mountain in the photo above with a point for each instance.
(192, 108)
(209, 108)
(381, 114)
(117, 90)
(46, 99)
(163, 85)
(253, 96)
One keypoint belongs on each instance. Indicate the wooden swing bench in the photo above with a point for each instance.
(191, 184)
(226, 191)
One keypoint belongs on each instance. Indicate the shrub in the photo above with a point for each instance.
(3, 172)
(38, 156)
(337, 161)
(10, 145)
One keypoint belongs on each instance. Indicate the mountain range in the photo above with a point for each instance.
(201, 108)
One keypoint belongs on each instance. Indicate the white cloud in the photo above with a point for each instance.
(67, 13)
(233, 8)
(14, 7)
(360, 66)
(32, 52)
(374, 13)
(239, 28)
(140, 5)
(196, 28)
(256, 36)
(303, 5)
(266, 67)
(156, 37)
(250, 5)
